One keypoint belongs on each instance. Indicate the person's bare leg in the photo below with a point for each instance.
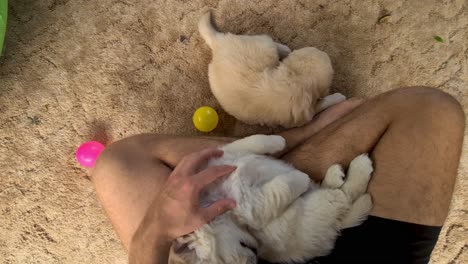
(136, 166)
(415, 138)
(129, 173)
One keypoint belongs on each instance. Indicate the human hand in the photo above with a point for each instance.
(175, 211)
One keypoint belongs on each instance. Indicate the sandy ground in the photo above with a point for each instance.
(107, 69)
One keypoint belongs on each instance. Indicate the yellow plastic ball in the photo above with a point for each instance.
(205, 119)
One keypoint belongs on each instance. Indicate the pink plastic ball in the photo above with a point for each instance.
(88, 152)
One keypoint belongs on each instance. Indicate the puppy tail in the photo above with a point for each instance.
(207, 31)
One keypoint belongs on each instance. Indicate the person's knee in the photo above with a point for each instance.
(114, 157)
(433, 105)
(439, 116)
(122, 155)
(424, 136)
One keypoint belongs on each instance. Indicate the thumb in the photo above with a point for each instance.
(217, 208)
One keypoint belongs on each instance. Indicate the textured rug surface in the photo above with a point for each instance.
(107, 69)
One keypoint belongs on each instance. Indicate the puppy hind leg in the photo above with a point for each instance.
(334, 178)
(275, 197)
(358, 212)
(358, 176)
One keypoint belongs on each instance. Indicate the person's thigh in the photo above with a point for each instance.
(129, 173)
(415, 138)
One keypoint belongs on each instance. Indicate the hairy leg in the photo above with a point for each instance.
(414, 136)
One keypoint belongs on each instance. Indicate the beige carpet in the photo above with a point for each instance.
(76, 70)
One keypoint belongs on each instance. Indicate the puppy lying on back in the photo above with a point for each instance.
(281, 216)
(259, 81)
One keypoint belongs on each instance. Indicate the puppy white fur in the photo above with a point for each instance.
(280, 213)
(259, 81)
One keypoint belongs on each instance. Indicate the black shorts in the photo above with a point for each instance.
(380, 240)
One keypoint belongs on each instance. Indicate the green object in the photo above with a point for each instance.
(3, 21)
(438, 39)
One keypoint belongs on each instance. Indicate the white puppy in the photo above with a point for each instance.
(259, 81)
(281, 216)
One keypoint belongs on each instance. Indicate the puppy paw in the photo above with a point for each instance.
(273, 144)
(258, 144)
(336, 98)
(329, 101)
(361, 166)
(298, 182)
(358, 177)
(334, 177)
(283, 50)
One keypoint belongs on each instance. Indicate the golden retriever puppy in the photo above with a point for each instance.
(259, 81)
